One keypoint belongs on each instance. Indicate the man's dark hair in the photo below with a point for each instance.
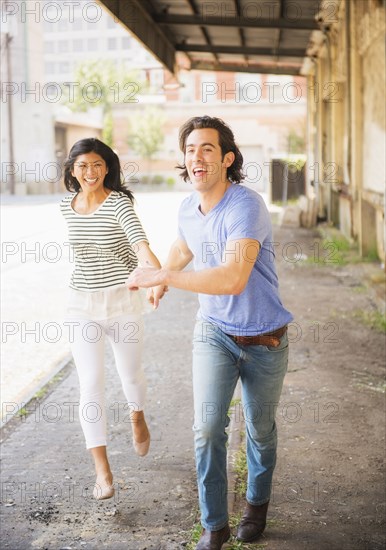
(226, 141)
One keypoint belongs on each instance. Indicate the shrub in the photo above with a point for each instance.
(157, 179)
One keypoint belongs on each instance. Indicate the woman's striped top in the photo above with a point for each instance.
(103, 242)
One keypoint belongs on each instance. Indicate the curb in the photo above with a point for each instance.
(47, 385)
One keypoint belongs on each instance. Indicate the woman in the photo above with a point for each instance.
(107, 240)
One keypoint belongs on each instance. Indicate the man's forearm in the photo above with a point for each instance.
(229, 278)
(216, 280)
(177, 260)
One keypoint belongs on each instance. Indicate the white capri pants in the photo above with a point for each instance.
(125, 334)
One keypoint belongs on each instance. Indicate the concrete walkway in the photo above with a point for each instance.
(328, 484)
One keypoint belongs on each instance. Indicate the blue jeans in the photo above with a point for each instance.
(218, 362)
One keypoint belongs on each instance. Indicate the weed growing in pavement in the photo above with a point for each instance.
(371, 256)
(40, 394)
(289, 202)
(373, 319)
(364, 380)
(241, 470)
(194, 536)
(47, 388)
(333, 251)
(22, 412)
(234, 520)
(234, 402)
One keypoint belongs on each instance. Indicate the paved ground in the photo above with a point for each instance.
(329, 483)
(328, 491)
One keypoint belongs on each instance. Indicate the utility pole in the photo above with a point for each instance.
(8, 40)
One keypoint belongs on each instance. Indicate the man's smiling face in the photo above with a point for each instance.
(204, 160)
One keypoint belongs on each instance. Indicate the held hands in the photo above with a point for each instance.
(150, 278)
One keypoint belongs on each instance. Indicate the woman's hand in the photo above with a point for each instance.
(155, 293)
(150, 278)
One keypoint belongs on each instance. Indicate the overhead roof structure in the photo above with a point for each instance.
(263, 36)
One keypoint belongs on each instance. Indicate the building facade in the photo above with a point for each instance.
(27, 136)
(264, 111)
(347, 122)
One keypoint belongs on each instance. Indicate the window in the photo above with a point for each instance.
(63, 23)
(77, 45)
(187, 91)
(208, 87)
(49, 67)
(49, 47)
(53, 90)
(248, 87)
(92, 44)
(62, 46)
(126, 42)
(78, 21)
(51, 16)
(157, 79)
(112, 43)
(64, 67)
(49, 26)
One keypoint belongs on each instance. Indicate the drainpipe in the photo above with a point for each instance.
(8, 40)
(348, 88)
(329, 137)
(347, 169)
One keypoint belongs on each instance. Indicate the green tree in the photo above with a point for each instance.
(296, 141)
(98, 83)
(146, 136)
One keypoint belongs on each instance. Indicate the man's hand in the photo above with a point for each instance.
(145, 277)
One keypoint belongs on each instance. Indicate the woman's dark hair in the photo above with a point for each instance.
(226, 141)
(114, 176)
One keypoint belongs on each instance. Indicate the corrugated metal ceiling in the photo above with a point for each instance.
(263, 36)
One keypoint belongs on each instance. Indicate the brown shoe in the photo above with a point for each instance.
(253, 522)
(213, 540)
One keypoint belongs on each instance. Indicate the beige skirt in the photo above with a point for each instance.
(104, 304)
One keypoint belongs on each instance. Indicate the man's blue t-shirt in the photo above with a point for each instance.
(240, 214)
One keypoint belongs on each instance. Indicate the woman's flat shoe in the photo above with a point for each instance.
(142, 448)
(102, 492)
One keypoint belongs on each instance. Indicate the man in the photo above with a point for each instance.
(241, 325)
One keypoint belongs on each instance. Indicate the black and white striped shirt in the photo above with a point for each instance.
(103, 242)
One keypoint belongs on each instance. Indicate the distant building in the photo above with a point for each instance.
(49, 39)
(264, 111)
(27, 149)
(36, 129)
(84, 31)
(256, 106)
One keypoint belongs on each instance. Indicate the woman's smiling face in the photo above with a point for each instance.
(90, 170)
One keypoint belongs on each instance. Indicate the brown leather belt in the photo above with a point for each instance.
(271, 339)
